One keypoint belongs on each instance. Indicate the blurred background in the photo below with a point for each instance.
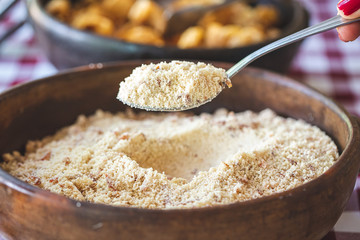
(322, 61)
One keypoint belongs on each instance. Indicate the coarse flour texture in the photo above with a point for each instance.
(172, 85)
(173, 160)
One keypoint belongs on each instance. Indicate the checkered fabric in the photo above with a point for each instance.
(328, 64)
(323, 62)
(21, 59)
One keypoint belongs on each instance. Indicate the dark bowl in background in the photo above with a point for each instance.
(307, 212)
(67, 47)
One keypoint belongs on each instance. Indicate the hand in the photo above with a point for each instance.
(349, 9)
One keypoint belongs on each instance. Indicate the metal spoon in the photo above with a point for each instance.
(326, 25)
(331, 23)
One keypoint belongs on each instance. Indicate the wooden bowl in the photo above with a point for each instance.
(67, 47)
(38, 108)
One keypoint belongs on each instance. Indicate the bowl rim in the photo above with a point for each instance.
(285, 81)
(36, 10)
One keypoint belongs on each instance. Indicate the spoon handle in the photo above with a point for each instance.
(326, 25)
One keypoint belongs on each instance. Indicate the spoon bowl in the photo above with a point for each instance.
(162, 109)
(326, 25)
(172, 86)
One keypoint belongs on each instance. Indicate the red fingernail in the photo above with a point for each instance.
(348, 6)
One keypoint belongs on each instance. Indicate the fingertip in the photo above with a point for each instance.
(340, 35)
(349, 32)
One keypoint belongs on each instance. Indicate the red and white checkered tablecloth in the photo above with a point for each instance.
(323, 62)
(21, 59)
(328, 64)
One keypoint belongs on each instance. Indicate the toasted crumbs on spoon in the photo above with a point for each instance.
(172, 86)
(181, 85)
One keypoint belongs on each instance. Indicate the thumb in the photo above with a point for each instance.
(349, 9)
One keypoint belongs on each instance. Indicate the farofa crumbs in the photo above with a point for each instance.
(172, 85)
(175, 160)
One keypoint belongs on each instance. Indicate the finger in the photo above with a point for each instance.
(349, 32)
(349, 9)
